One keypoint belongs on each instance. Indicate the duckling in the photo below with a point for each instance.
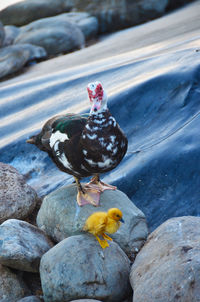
(100, 223)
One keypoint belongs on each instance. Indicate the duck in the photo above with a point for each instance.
(85, 145)
(100, 223)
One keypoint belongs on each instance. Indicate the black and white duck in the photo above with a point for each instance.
(85, 145)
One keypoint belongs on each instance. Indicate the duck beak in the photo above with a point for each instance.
(122, 220)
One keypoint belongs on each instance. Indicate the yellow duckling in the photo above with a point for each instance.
(100, 223)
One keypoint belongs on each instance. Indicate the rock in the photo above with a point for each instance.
(2, 34)
(78, 268)
(30, 299)
(14, 58)
(167, 268)
(85, 300)
(88, 24)
(112, 14)
(12, 287)
(175, 4)
(17, 199)
(55, 35)
(25, 12)
(11, 32)
(117, 14)
(22, 245)
(61, 217)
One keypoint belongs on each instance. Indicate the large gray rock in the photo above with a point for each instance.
(13, 58)
(112, 14)
(30, 299)
(61, 217)
(117, 14)
(12, 288)
(25, 12)
(85, 300)
(22, 245)
(54, 34)
(87, 23)
(168, 268)
(11, 32)
(2, 34)
(17, 199)
(78, 268)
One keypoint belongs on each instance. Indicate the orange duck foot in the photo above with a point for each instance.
(105, 236)
(97, 184)
(103, 243)
(89, 196)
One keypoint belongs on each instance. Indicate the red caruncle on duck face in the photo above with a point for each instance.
(95, 92)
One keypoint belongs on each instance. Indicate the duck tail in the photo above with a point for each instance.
(31, 140)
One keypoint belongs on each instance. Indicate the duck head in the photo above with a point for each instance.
(97, 96)
(115, 214)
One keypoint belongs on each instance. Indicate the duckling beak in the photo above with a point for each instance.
(122, 220)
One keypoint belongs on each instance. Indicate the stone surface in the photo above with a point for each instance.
(22, 245)
(13, 58)
(112, 14)
(78, 268)
(54, 34)
(12, 287)
(2, 34)
(11, 32)
(61, 217)
(30, 299)
(25, 12)
(17, 199)
(85, 300)
(87, 23)
(117, 14)
(168, 267)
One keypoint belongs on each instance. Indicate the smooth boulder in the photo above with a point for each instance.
(22, 245)
(88, 24)
(78, 268)
(85, 300)
(2, 34)
(12, 288)
(13, 58)
(167, 267)
(112, 14)
(30, 299)
(11, 32)
(54, 34)
(24, 12)
(117, 14)
(61, 217)
(17, 199)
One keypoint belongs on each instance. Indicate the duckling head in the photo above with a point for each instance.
(115, 214)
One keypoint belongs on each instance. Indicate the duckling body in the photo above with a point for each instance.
(100, 223)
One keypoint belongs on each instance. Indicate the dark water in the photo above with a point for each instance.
(154, 94)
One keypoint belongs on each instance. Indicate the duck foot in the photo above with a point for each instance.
(97, 184)
(103, 243)
(105, 236)
(88, 197)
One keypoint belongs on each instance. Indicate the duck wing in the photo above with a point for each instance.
(58, 128)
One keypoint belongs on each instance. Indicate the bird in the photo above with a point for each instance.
(85, 145)
(100, 223)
